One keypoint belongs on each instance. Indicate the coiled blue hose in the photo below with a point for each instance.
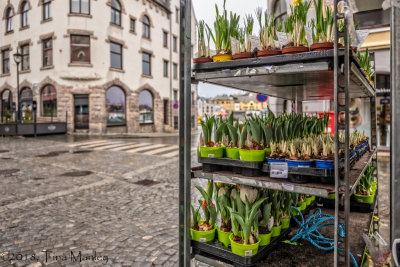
(309, 230)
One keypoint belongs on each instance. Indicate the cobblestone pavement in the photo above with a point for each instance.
(117, 208)
(103, 207)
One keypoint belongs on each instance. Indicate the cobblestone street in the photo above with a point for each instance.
(118, 207)
(92, 203)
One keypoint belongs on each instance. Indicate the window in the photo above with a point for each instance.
(175, 96)
(176, 15)
(46, 9)
(48, 98)
(80, 7)
(6, 106)
(24, 15)
(115, 106)
(146, 27)
(175, 71)
(166, 105)
(116, 55)
(115, 12)
(145, 107)
(146, 63)
(133, 25)
(47, 52)
(9, 19)
(26, 102)
(165, 39)
(25, 57)
(5, 55)
(80, 49)
(175, 44)
(165, 67)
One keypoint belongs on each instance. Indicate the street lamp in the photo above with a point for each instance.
(17, 59)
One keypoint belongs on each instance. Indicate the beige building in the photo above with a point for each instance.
(103, 66)
(226, 102)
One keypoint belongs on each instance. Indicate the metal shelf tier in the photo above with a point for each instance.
(317, 189)
(304, 76)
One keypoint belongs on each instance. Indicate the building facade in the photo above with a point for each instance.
(107, 66)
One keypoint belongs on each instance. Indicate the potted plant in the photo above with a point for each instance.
(265, 225)
(287, 204)
(244, 49)
(365, 188)
(299, 153)
(326, 159)
(247, 244)
(276, 211)
(365, 63)
(251, 147)
(210, 148)
(232, 150)
(322, 27)
(224, 29)
(203, 51)
(204, 231)
(295, 28)
(267, 35)
(301, 202)
(223, 204)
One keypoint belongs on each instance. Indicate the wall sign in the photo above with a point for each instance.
(262, 98)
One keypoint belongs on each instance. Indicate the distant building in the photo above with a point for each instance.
(225, 101)
(206, 107)
(249, 102)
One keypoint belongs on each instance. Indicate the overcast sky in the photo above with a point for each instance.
(205, 10)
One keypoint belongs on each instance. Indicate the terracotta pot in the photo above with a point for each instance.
(321, 46)
(294, 49)
(266, 53)
(202, 60)
(243, 55)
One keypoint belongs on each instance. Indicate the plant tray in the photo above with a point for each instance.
(246, 168)
(217, 250)
(354, 205)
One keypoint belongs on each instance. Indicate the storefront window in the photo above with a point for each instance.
(48, 98)
(26, 107)
(145, 107)
(6, 106)
(115, 105)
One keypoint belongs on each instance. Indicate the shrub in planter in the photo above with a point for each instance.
(223, 204)
(243, 45)
(210, 148)
(299, 153)
(203, 51)
(276, 211)
(264, 226)
(224, 28)
(301, 203)
(323, 150)
(246, 215)
(295, 28)
(252, 149)
(232, 150)
(322, 27)
(286, 205)
(365, 189)
(367, 66)
(267, 35)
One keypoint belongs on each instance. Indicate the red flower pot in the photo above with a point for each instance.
(294, 49)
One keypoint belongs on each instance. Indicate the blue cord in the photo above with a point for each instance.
(309, 230)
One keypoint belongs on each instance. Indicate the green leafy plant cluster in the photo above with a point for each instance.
(267, 34)
(364, 187)
(322, 26)
(203, 35)
(295, 23)
(365, 62)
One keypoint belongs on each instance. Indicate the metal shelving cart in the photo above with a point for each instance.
(333, 74)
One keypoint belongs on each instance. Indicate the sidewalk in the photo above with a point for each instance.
(135, 135)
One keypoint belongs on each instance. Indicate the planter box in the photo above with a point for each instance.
(246, 168)
(217, 250)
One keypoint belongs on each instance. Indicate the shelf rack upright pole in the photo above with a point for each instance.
(185, 132)
(395, 125)
(374, 141)
(341, 92)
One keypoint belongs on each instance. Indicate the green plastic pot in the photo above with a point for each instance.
(276, 231)
(265, 239)
(252, 155)
(232, 153)
(244, 250)
(211, 152)
(267, 152)
(202, 236)
(301, 205)
(285, 222)
(313, 198)
(364, 199)
(331, 196)
(223, 237)
(308, 201)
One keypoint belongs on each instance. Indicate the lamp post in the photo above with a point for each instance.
(17, 59)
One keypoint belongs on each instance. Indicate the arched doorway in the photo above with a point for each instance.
(26, 105)
(6, 106)
(115, 106)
